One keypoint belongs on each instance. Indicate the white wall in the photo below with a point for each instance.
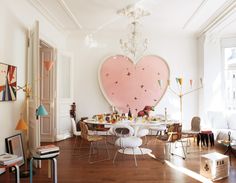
(12, 51)
(15, 19)
(213, 75)
(179, 51)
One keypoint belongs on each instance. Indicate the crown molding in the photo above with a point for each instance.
(46, 13)
(202, 4)
(70, 13)
(218, 17)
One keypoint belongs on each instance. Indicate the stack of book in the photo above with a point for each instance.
(48, 151)
(9, 159)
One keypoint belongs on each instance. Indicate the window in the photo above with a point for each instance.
(230, 76)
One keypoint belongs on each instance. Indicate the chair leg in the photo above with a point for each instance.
(115, 157)
(135, 161)
(75, 142)
(183, 157)
(108, 154)
(183, 149)
(169, 149)
(80, 145)
(145, 140)
(141, 152)
(90, 151)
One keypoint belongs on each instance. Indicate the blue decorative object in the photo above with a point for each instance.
(41, 111)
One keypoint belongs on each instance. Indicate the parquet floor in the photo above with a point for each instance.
(74, 169)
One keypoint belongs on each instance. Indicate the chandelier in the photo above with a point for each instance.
(134, 45)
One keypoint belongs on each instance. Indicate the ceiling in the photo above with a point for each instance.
(91, 16)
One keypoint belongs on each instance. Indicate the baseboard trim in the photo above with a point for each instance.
(63, 136)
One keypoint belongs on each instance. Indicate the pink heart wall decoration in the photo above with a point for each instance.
(127, 85)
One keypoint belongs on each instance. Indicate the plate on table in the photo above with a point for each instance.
(154, 122)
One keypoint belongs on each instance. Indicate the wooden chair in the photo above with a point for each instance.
(93, 140)
(195, 128)
(194, 131)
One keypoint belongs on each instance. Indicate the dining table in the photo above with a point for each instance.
(137, 124)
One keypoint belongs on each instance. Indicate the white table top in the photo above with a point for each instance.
(128, 122)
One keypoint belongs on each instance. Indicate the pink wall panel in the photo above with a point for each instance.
(126, 85)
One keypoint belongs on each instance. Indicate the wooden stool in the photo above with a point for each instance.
(204, 137)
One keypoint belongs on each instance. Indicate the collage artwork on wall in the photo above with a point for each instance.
(8, 81)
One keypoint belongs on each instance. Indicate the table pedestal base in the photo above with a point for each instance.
(136, 151)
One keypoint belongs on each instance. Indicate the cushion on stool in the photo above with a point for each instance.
(126, 142)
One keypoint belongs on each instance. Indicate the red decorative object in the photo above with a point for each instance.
(48, 64)
(145, 111)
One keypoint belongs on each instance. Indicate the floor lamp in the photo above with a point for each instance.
(23, 127)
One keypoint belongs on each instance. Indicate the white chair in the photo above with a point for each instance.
(126, 140)
(143, 132)
(75, 132)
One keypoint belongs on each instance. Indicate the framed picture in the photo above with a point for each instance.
(8, 86)
(15, 146)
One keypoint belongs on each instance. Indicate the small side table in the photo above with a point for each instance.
(17, 175)
(230, 148)
(51, 157)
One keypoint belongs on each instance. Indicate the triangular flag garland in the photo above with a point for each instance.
(201, 82)
(179, 81)
(160, 82)
(191, 83)
(168, 82)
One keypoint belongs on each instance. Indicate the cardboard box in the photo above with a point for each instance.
(214, 166)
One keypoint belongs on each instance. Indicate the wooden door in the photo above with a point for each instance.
(47, 94)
